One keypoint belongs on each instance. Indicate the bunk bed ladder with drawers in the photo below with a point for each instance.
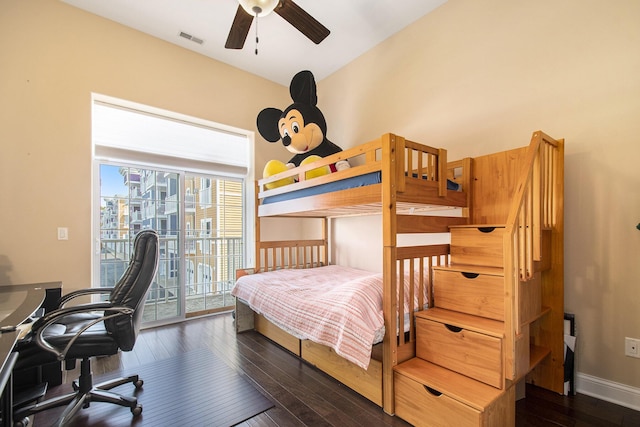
(496, 319)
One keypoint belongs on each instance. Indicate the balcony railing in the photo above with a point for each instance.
(204, 277)
(171, 203)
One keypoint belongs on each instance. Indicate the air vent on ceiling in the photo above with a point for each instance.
(190, 37)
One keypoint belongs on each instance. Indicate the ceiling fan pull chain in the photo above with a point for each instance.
(256, 33)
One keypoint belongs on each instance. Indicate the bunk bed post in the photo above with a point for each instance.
(244, 315)
(390, 347)
(442, 172)
(257, 227)
(390, 148)
(550, 373)
(553, 283)
(390, 155)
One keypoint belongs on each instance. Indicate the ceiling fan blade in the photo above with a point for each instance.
(304, 22)
(239, 29)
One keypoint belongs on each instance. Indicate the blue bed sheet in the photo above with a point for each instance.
(343, 184)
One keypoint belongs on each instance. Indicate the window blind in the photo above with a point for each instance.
(121, 133)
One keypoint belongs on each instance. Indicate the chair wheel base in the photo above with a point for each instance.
(22, 423)
(137, 410)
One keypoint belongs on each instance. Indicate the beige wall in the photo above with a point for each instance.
(473, 77)
(53, 56)
(480, 76)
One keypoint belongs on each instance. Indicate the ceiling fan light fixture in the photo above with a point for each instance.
(258, 8)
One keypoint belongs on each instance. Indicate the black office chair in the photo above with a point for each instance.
(89, 330)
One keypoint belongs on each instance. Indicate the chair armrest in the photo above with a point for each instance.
(81, 292)
(54, 315)
(49, 318)
(44, 322)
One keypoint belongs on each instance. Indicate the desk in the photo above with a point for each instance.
(17, 304)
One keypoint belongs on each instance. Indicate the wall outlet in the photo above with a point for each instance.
(631, 347)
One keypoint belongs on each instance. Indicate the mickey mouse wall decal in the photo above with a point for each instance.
(302, 129)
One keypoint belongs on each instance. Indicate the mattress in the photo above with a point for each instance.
(337, 306)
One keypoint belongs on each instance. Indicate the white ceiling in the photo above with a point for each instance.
(356, 26)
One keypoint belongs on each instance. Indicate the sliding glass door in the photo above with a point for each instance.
(188, 179)
(199, 220)
(214, 244)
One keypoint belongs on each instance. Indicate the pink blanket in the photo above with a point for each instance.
(339, 307)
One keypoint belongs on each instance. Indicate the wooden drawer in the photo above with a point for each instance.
(471, 353)
(470, 292)
(367, 382)
(276, 334)
(424, 406)
(477, 246)
(429, 395)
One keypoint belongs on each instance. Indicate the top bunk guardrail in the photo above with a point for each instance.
(416, 173)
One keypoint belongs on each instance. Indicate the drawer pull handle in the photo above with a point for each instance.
(432, 391)
(486, 229)
(452, 328)
(470, 275)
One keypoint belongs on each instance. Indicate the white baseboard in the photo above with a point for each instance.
(609, 391)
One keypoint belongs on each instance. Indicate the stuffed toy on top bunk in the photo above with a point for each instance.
(302, 129)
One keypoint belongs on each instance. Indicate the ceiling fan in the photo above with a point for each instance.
(291, 12)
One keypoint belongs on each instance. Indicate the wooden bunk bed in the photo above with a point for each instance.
(412, 181)
(500, 281)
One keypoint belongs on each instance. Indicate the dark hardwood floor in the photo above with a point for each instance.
(304, 396)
